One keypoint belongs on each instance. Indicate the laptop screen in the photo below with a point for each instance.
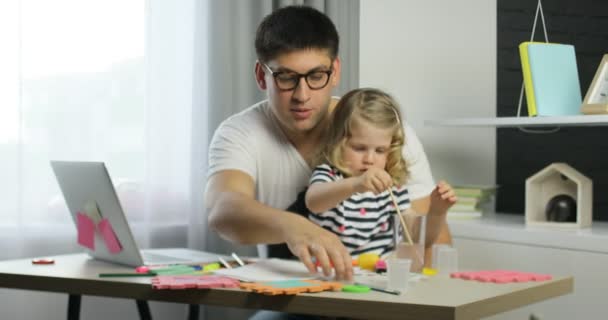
(103, 230)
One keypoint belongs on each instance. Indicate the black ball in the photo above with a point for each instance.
(561, 208)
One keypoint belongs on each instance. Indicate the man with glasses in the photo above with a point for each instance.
(259, 159)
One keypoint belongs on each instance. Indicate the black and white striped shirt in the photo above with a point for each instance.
(364, 222)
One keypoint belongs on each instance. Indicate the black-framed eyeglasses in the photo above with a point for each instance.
(289, 80)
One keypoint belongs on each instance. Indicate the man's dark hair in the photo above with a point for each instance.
(295, 28)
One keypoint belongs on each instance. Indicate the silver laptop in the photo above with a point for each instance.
(83, 183)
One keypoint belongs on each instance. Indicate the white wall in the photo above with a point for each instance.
(438, 59)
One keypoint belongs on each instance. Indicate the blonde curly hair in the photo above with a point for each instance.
(379, 109)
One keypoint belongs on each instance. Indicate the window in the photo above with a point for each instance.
(73, 87)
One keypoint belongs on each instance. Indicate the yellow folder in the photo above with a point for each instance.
(525, 68)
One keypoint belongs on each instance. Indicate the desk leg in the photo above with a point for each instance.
(144, 310)
(74, 306)
(193, 311)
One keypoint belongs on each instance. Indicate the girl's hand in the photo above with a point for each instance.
(374, 180)
(442, 198)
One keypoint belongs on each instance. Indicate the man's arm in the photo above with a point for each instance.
(238, 217)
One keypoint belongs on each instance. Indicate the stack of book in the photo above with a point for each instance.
(473, 201)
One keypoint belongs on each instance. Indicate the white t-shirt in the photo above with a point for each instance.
(251, 141)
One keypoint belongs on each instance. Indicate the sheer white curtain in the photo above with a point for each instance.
(99, 80)
(140, 85)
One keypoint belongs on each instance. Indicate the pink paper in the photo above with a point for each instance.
(107, 232)
(86, 230)
(193, 281)
(500, 276)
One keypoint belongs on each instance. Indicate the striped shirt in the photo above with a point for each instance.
(364, 222)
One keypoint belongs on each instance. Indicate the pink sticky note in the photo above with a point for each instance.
(109, 237)
(86, 230)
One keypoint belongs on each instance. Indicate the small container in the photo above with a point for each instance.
(447, 260)
(416, 225)
(414, 252)
(398, 273)
(435, 253)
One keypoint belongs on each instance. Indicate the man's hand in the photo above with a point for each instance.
(374, 180)
(239, 218)
(308, 240)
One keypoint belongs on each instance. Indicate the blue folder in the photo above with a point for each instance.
(551, 79)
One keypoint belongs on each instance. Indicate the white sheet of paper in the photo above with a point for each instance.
(269, 270)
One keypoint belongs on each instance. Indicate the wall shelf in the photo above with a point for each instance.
(505, 122)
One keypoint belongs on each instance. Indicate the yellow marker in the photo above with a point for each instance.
(212, 266)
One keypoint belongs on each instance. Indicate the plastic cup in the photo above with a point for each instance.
(398, 271)
(416, 225)
(435, 253)
(447, 260)
(414, 252)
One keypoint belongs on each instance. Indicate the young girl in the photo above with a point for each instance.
(362, 158)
